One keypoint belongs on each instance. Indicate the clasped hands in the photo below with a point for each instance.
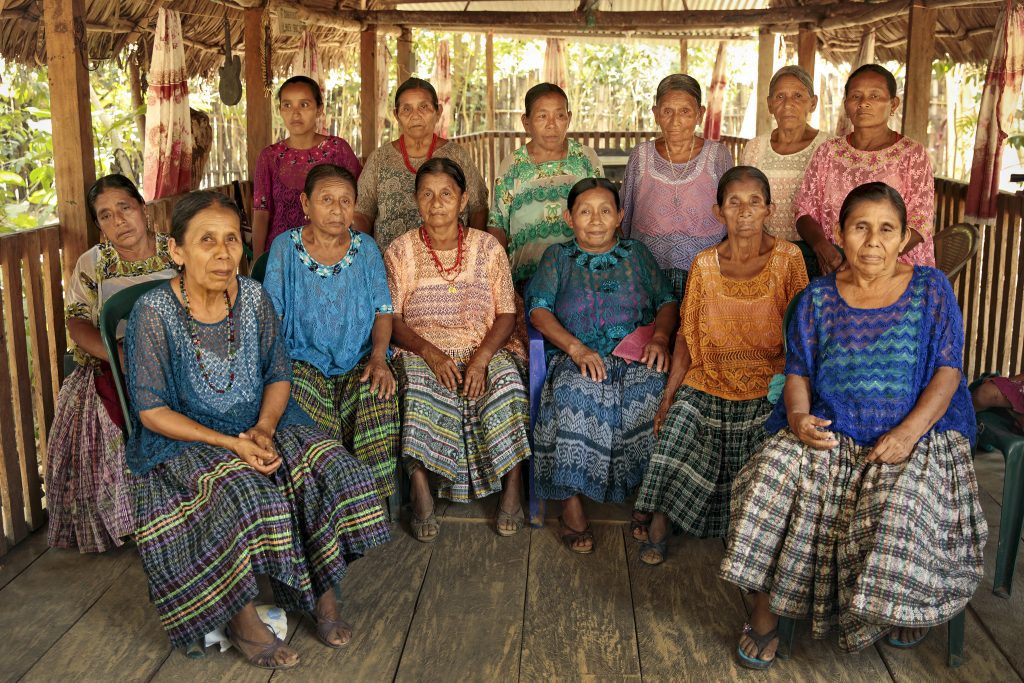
(473, 378)
(255, 447)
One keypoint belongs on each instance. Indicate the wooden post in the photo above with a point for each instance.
(684, 55)
(257, 99)
(406, 55)
(490, 81)
(368, 89)
(918, 90)
(73, 165)
(138, 101)
(765, 66)
(807, 49)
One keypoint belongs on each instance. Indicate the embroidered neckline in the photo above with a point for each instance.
(599, 262)
(320, 269)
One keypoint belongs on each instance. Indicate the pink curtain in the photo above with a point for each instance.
(168, 149)
(999, 101)
(716, 96)
(555, 70)
(443, 85)
(307, 63)
(866, 55)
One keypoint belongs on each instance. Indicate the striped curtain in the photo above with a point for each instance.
(716, 96)
(443, 85)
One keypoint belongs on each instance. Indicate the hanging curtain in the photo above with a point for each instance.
(866, 55)
(716, 96)
(383, 64)
(555, 70)
(168, 148)
(306, 62)
(999, 101)
(443, 85)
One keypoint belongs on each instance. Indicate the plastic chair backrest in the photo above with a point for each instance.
(259, 268)
(954, 247)
(116, 309)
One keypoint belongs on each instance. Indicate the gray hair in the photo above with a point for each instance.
(796, 72)
(678, 83)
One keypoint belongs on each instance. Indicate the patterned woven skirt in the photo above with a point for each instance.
(469, 445)
(88, 495)
(209, 524)
(595, 438)
(344, 409)
(864, 547)
(704, 443)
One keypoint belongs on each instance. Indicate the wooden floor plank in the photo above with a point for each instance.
(579, 612)
(616, 513)
(22, 556)
(469, 618)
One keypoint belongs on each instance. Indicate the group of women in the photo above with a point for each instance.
(268, 421)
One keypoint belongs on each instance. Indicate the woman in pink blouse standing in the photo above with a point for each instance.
(282, 167)
(872, 152)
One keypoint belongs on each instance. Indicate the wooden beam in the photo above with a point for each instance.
(74, 168)
(490, 81)
(765, 68)
(368, 89)
(807, 50)
(918, 89)
(684, 55)
(406, 55)
(257, 99)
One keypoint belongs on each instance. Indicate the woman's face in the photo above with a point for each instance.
(548, 121)
(440, 201)
(331, 206)
(868, 103)
(744, 208)
(211, 248)
(416, 113)
(873, 238)
(299, 109)
(677, 115)
(122, 219)
(594, 220)
(790, 103)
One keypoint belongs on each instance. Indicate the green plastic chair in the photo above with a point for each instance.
(259, 268)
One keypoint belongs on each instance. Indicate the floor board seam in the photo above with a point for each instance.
(23, 569)
(412, 617)
(632, 605)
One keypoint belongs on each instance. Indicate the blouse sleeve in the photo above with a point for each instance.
(947, 339)
(810, 198)
(920, 195)
(366, 202)
(147, 355)
(273, 280)
(596, 169)
(630, 182)
(81, 300)
(502, 291)
(802, 339)
(723, 161)
(347, 158)
(689, 326)
(377, 278)
(274, 360)
(263, 182)
(500, 218)
(796, 280)
(398, 279)
(748, 157)
(543, 288)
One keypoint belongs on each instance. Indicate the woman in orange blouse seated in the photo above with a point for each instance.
(729, 345)
(464, 407)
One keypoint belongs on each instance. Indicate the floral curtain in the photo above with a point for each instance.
(168, 149)
(555, 70)
(716, 96)
(443, 85)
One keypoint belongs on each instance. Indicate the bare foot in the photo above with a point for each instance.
(908, 635)
(640, 523)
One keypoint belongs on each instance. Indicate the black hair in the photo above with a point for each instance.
(540, 90)
(873, 192)
(890, 80)
(327, 172)
(318, 94)
(443, 166)
(114, 181)
(191, 204)
(679, 83)
(742, 173)
(588, 184)
(416, 84)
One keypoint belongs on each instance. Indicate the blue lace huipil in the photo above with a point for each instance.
(163, 371)
(327, 311)
(599, 298)
(869, 366)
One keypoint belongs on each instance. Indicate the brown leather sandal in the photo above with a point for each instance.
(573, 536)
(325, 626)
(263, 658)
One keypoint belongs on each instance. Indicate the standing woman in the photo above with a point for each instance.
(87, 490)
(281, 168)
(872, 152)
(670, 183)
(533, 182)
(387, 206)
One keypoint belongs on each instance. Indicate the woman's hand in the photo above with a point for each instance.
(380, 377)
(806, 428)
(829, 258)
(474, 378)
(588, 361)
(893, 447)
(443, 367)
(655, 355)
(659, 417)
(251, 447)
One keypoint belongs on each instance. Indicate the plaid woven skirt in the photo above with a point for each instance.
(860, 546)
(468, 444)
(209, 524)
(88, 495)
(344, 409)
(705, 441)
(595, 438)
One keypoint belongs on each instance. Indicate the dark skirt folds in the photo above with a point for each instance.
(209, 524)
(704, 443)
(861, 546)
(595, 438)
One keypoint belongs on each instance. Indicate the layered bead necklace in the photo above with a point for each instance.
(447, 274)
(193, 331)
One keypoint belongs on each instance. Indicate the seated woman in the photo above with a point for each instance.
(464, 408)
(712, 414)
(232, 479)
(328, 284)
(862, 510)
(608, 311)
(88, 494)
(1001, 392)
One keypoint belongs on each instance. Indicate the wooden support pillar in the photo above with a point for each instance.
(73, 165)
(807, 49)
(368, 89)
(257, 99)
(684, 55)
(138, 101)
(918, 90)
(490, 81)
(406, 55)
(765, 67)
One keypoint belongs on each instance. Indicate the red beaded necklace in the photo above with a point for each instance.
(405, 152)
(441, 270)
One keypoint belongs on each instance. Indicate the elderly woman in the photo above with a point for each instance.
(604, 305)
(872, 152)
(328, 284)
(783, 154)
(712, 414)
(387, 206)
(669, 186)
(464, 407)
(88, 495)
(862, 511)
(282, 167)
(533, 181)
(231, 478)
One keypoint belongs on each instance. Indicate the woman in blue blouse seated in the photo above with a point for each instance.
(862, 510)
(232, 479)
(604, 305)
(328, 284)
